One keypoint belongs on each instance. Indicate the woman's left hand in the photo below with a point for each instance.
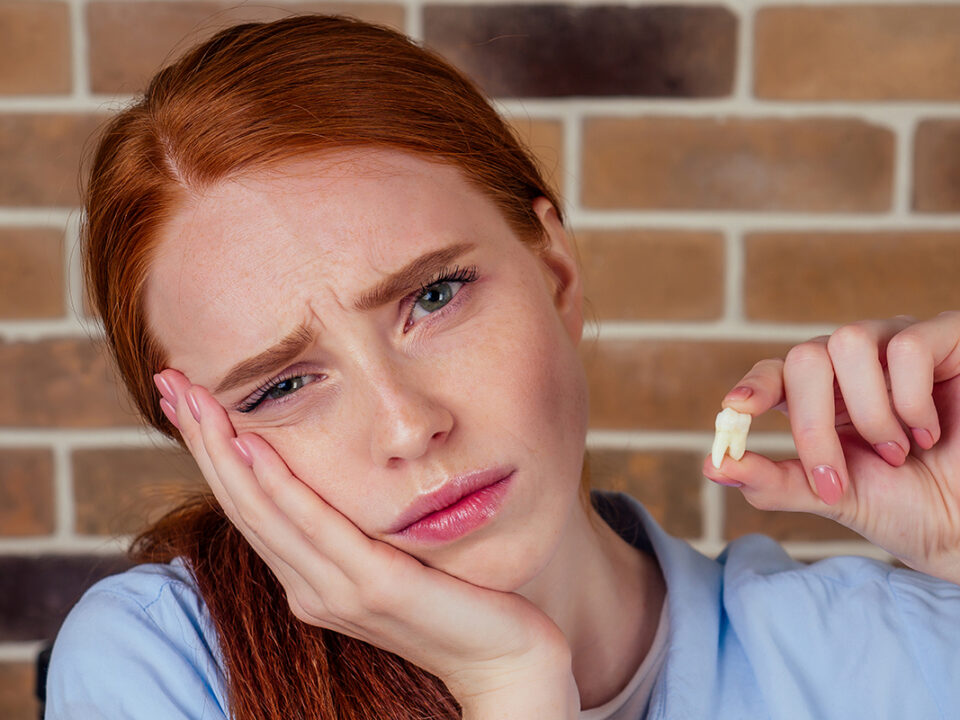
(874, 410)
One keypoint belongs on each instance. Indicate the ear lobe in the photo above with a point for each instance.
(560, 260)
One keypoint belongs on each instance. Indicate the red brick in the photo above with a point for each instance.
(864, 52)
(129, 42)
(544, 138)
(936, 166)
(65, 382)
(34, 48)
(119, 491)
(669, 384)
(40, 156)
(652, 274)
(26, 492)
(667, 483)
(17, 701)
(31, 273)
(806, 164)
(540, 50)
(831, 277)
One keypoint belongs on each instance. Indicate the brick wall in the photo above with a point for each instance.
(740, 176)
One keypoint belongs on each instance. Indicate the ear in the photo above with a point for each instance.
(562, 267)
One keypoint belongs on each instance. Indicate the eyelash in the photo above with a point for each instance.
(446, 275)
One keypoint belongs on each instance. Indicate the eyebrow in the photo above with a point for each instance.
(390, 288)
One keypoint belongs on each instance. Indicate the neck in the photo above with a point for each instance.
(606, 596)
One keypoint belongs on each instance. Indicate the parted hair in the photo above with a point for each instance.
(249, 97)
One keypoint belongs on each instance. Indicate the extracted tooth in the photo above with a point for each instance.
(732, 428)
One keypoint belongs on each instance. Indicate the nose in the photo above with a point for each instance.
(408, 421)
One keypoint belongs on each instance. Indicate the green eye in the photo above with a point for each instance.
(436, 296)
(287, 387)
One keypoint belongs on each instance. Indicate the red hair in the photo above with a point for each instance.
(252, 96)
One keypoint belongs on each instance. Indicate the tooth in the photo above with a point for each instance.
(732, 428)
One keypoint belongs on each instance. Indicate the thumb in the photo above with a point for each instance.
(769, 485)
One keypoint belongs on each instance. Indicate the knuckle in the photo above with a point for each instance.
(804, 354)
(850, 340)
(905, 345)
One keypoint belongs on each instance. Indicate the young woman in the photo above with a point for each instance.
(326, 267)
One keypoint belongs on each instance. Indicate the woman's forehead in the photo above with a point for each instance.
(237, 261)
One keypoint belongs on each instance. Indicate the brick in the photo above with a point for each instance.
(652, 274)
(26, 492)
(553, 50)
(120, 491)
(741, 518)
(544, 138)
(40, 156)
(17, 683)
(37, 592)
(34, 48)
(838, 277)
(31, 273)
(129, 42)
(667, 483)
(61, 382)
(867, 52)
(655, 384)
(936, 166)
(806, 164)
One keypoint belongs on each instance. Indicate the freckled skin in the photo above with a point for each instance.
(493, 379)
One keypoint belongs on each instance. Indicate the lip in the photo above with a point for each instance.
(461, 505)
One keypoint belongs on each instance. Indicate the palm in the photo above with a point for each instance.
(912, 511)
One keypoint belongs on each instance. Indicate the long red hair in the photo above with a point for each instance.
(251, 96)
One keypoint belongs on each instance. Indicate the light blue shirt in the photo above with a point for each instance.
(752, 635)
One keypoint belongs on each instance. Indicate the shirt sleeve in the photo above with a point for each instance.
(138, 646)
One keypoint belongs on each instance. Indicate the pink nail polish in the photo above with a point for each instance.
(194, 405)
(170, 412)
(827, 482)
(164, 387)
(923, 438)
(741, 392)
(242, 451)
(891, 452)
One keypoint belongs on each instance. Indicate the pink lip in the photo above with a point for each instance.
(460, 506)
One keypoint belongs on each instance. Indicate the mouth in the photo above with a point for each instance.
(462, 505)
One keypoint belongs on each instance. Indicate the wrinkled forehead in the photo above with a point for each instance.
(240, 265)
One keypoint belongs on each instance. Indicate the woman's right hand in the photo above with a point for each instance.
(497, 653)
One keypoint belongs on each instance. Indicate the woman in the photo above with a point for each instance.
(361, 310)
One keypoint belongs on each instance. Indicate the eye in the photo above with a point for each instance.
(276, 390)
(437, 294)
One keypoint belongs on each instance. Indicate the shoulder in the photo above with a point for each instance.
(894, 628)
(141, 645)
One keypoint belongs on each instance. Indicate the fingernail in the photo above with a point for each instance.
(891, 452)
(243, 451)
(164, 387)
(741, 392)
(170, 412)
(194, 405)
(923, 437)
(827, 482)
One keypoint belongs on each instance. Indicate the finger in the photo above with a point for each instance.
(918, 356)
(809, 387)
(761, 389)
(176, 385)
(769, 485)
(855, 352)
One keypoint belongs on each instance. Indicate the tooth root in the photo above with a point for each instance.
(720, 445)
(731, 436)
(738, 446)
